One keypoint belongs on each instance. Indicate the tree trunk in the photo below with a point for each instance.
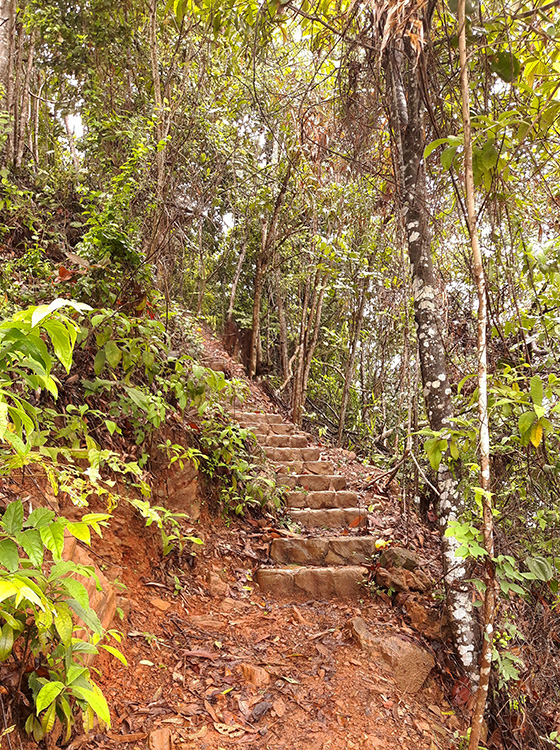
(349, 369)
(235, 282)
(263, 258)
(309, 336)
(282, 325)
(24, 113)
(156, 80)
(404, 88)
(71, 142)
(484, 431)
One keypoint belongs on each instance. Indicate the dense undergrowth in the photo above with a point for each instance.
(85, 395)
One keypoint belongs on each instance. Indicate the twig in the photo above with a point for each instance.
(423, 475)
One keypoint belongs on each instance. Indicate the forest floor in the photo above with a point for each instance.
(213, 664)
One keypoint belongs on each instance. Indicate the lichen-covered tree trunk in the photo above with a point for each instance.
(402, 68)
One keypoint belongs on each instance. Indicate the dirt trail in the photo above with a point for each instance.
(217, 663)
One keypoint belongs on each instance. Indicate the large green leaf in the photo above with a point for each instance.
(86, 615)
(95, 700)
(6, 641)
(53, 538)
(112, 353)
(32, 544)
(39, 517)
(12, 520)
(47, 694)
(9, 556)
(63, 624)
(540, 567)
(7, 589)
(536, 390)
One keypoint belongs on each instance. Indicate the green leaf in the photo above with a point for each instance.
(505, 65)
(112, 353)
(32, 544)
(87, 615)
(40, 517)
(99, 362)
(525, 421)
(540, 567)
(536, 390)
(53, 538)
(43, 311)
(95, 701)
(7, 589)
(115, 652)
(80, 531)
(9, 556)
(63, 624)
(447, 157)
(12, 520)
(47, 694)
(76, 590)
(6, 641)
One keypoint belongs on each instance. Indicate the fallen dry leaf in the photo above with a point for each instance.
(228, 730)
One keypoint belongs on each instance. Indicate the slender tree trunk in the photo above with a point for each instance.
(298, 376)
(13, 139)
(349, 369)
(484, 432)
(403, 78)
(309, 336)
(235, 282)
(315, 338)
(24, 114)
(263, 258)
(71, 142)
(282, 324)
(156, 81)
(7, 41)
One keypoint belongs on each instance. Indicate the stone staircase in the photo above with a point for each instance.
(322, 563)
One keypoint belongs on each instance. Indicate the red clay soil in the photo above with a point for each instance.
(219, 666)
(214, 665)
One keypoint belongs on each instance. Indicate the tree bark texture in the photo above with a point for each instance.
(483, 428)
(353, 348)
(405, 107)
(262, 263)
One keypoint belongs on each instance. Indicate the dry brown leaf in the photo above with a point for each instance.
(228, 730)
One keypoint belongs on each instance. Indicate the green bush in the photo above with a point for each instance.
(48, 628)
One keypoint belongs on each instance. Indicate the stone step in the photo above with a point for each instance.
(305, 467)
(283, 441)
(322, 499)
(256, 417)
(312, 482)
(321, 551)
(330, 518)
(270, 429)
(288, 455)
(318, 583)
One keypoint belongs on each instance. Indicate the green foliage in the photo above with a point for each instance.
(47, 623)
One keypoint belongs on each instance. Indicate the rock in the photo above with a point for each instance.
(176, 488)
(409, 664)
(257, 676)
(399, 557)
(216, 586)
(206, 622)
(425, 621)
(401, 579)
(160, 739)
(160, 604)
